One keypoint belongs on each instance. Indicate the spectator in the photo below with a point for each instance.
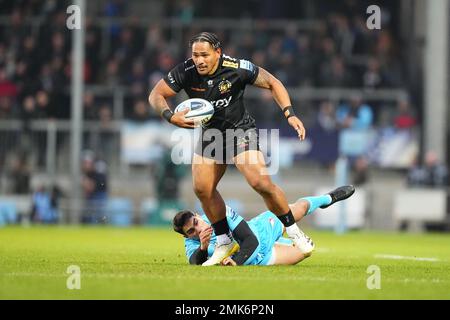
(404, 117)
(360, 171)
(184, 11)
(55, 195)
(111, 76)
(8, 92)
(325, 131)
(373, 77)
(95, 187)
(93, 41)
(355, 121)
(90, 111)
(35, 63)
(20, 175)
(141, 112)
(335, 74)
(44, 106)
(43, 208)
(105, 144)
(432, 174)
(168, 177)
(312, 57)
(356, 115)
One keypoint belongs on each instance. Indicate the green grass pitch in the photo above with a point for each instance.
(149, 263)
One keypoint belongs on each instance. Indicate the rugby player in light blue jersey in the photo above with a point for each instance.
(261, 240)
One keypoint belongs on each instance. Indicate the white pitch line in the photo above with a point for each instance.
(322, 250)
(117, 276)
(396, 257)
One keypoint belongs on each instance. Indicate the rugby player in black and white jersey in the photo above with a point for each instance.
(209, 74)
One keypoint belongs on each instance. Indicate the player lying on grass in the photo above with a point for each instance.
(261, 240)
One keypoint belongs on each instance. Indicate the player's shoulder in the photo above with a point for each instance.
(188, 65)
(180, 74)
(229, 62)
(185, 66)
(236, 63)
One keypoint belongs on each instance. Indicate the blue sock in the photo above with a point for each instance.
(316, 202)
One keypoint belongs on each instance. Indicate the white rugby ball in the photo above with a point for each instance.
(200, 110)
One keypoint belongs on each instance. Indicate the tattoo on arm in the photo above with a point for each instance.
(158, 96)
(267, 81)
(263, 79)
(160, 104)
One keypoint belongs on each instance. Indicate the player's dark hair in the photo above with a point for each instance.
(180, 220)
(209, 37)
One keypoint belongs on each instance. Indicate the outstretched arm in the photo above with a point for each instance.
(268, 81)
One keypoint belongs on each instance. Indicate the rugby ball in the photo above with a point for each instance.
(200, 110)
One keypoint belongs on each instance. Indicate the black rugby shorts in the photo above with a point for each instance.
(223, 146)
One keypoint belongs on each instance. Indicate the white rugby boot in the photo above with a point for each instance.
(221, 252)
(300, 239)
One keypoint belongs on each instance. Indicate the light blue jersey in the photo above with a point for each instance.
(267, 228)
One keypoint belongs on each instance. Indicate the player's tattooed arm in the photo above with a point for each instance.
(266, 80)
(158, 96)
(281, 96)
(263, 79)
(158, 100)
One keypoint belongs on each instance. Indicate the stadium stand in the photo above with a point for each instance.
(324, 56)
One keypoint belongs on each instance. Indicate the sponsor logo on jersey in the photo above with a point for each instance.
(242, 142)
(171, 79)
(224, 86)
(272, 222)
(245, 64)
(232, 214)
(228, 57)
(230, 64)
(222, 102)
(210, 83)
(189, 68)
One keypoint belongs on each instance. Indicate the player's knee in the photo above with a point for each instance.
(262, 186)
(303, 206)
(203, 191)
(299, 256)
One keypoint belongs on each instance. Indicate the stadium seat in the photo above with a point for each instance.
(148, 208)
(421, 205)
(119, 211)
(354, 208)
(2, 220)
(22, 205)
(165, 212)
(8, 212)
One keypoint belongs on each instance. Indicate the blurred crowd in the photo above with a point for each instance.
(35, 62)
(337, 51)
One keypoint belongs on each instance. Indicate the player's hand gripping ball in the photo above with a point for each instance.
(200, 110)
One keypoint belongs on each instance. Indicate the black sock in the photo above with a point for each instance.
(221, 227)
(287, 219)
